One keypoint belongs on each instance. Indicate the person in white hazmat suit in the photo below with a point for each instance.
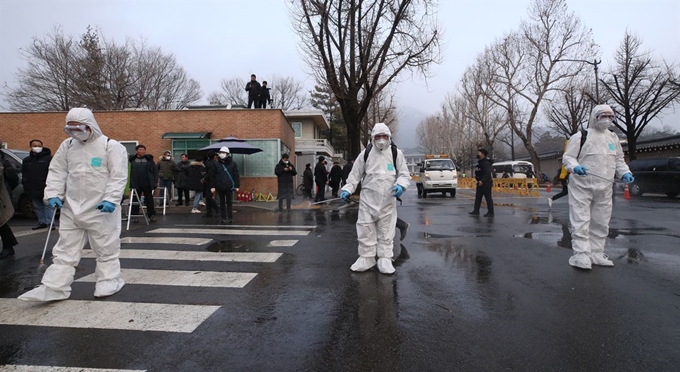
(590, 196)
(86, 180)
(381, 183)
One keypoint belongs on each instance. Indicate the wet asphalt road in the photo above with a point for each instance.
(470, 294)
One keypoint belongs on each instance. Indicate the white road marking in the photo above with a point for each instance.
(227, 232)
(282, 243)
(274, 227)
(26, 368)
(32, 232)
(182, 278)
(165, 240)
(146, 254)
(132, 316)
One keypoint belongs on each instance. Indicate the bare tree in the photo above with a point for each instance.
(641, 89)
(475, 89)
(288, 93)
(382, 109)
(528, 67)
(361, 46)
(233, 92)
(64, 72)
(45, 83)
(569, 110)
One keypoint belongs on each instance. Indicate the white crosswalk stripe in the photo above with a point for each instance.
(181, 278)
(229, 232)
(27, 368)
(144, 254)
(105, 315)
(165, 240)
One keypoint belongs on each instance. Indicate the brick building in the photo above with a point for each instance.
(180, 131)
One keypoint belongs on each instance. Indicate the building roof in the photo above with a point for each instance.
(317, 116)
(655, 144)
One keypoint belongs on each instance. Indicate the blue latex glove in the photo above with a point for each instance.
(106, 207)
(55, 202)
(344, 196)
(397, 191)
(580, 170)
(628, 178)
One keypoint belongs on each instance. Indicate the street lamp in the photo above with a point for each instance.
(594, 63)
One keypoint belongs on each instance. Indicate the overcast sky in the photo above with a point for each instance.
(213, 40)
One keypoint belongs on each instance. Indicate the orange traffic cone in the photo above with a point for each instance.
(549, 188)
(626, 193)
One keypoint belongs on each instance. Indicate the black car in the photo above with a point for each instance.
(656, 176)
(22, 202)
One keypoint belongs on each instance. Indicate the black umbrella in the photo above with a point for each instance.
(235, 145)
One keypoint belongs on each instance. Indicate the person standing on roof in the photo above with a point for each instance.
(382, 182)
(253, 88)
(595, 163)
(86, 180)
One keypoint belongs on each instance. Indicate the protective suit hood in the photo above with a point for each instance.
(597, 110)
(381, 128)
(85, 116)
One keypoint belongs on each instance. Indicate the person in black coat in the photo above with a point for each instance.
(285, 171)
(9, 179)
(253, 88)
(334, 179)
(321, 179)
(346, 170)
(211, 165)
(484, 183)
(308, 180)
(227, 181)
(264, 96)
(143, 178)
(194, 182)
(34, 170)
(181, 175)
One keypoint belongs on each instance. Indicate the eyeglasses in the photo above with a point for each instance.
(605, 116)
(381, 136)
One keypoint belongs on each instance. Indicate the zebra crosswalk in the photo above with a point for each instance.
(161, 245)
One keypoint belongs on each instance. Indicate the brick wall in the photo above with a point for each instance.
(17, 129)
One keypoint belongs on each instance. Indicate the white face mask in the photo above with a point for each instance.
(285, 161)
(167, 157)
(603, 124)
(81, 136)
(382, 144)
(222, 155)
(36, 150)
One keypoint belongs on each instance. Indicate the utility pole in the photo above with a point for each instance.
(594, 63)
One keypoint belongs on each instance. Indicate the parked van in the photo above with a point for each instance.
(656, 176)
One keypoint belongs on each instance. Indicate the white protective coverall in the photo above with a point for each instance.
(590, 197)
(83, 174)
(377, 206)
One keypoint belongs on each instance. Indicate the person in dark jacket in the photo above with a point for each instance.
(253, 88)
(227, 181)
(166, 176)
(143, 178)
(8, 180)
(285, 171)
(194, 182)
(346, 170)
(264, 96)
(484, 183)
(34, 170)
(181, 176)
(308, 180)
(321, 179)
(211, 165)
(335, 176)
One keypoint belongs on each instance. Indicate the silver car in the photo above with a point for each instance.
(22, 202)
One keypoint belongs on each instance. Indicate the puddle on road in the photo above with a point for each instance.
(228, 246)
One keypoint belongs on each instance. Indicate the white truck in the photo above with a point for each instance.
(437, 174)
